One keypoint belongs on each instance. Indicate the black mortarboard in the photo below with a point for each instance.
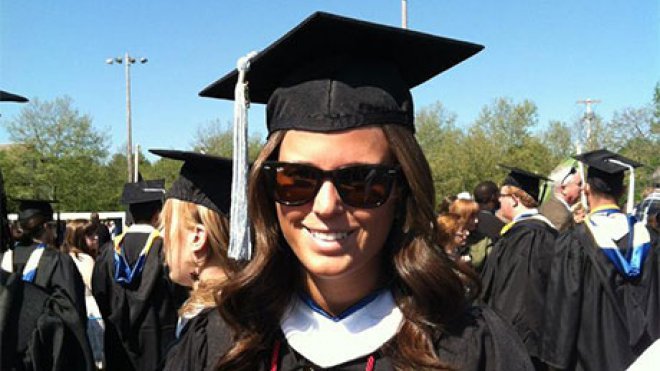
(28, 208)
(333, 73)
(606, 169)
(142, 192)
(204, 179)
(6, 96)
(525, 180)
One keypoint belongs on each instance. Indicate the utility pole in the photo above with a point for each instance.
(404, 14)
(136, 175)
(127, 60)
(588, 116)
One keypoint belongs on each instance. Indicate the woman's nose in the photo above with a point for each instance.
(327, 200)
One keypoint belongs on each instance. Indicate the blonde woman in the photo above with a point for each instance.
(195, 227)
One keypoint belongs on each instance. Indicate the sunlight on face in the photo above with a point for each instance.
(331, 239)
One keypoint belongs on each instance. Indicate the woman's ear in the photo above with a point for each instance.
(198, 244)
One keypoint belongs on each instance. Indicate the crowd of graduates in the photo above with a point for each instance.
(329, 251)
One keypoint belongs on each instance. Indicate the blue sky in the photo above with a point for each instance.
(552, 52)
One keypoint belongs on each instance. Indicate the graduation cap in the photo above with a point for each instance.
(27, 208)
(6, 96)
(329, 73)
(203, 179)
(333, 73)
(142, 192)
(525, 180)
(606, 172)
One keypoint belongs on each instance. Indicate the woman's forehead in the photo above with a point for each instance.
(362, 145)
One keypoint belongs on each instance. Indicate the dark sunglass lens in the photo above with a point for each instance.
(364, 186)
(295, 184)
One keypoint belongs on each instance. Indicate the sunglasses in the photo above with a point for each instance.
(361, 186)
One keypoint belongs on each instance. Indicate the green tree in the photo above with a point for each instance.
(58, 154)
(559, 139)
(507, 123)
(502, 134)
(216, 138)
(440, 140)
(637, 137)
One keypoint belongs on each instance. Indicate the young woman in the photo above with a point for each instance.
(346, 273)
(195, 225)
(76, 239)
(452, 236)
(478, 245)
(80, 245)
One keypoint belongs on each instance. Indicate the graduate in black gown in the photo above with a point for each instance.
(604, 292)
(38, 330)
(195, 226)
(131, 285)
(346, 272)
(35, 258)
(516, 272)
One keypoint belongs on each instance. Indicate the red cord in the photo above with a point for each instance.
(370, 363)
(275, 357)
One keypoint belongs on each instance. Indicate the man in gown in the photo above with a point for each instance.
(137, 300)
(516, 271)
(603, 300)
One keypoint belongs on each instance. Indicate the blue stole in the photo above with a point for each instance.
(630, 266)
(124, 274)
(352, 309)
(30, 270)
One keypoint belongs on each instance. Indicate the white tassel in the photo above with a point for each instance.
(583, 196)
(631, 185)
(240, 245)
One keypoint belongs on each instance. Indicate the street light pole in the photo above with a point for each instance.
(127, 60)
(588, 117)
(129, 126)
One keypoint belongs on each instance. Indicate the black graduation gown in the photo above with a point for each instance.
(40, 330)
(200, 343)
(56, 271)
(595, 319)
(515, 278)
(480, 341)
(141, 317)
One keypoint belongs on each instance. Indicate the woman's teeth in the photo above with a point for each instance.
(329, 236)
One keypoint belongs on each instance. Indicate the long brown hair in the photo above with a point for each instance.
(424, 281)
(74, 238)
